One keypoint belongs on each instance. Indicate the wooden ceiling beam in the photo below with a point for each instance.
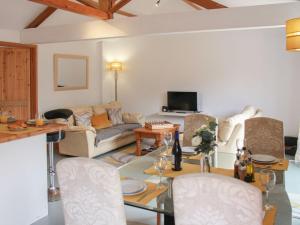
(208, 4)
(90, 3)
(74, 7)
(117, 6)
(41, 17)
(195, 6)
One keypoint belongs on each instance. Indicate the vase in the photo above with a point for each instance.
(205, 162)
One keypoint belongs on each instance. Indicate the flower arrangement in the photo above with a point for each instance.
(204, 138)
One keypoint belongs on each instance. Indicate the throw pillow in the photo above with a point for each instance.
(83, 119)
(133, 118)
(115, 115)
(101, 121)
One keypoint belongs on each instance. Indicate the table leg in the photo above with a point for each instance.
(138, 151)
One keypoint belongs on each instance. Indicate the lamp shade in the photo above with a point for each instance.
(293, 34)
(115, 66)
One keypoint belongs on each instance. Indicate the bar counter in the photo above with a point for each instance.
(23, 166)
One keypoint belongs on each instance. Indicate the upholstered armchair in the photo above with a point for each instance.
(201, 199)
(91, 192)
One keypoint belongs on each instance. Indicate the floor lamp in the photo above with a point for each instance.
(116, 67)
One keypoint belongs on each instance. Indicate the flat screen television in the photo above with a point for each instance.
(182, 101)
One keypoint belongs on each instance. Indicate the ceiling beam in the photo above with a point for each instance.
(119, 5)
(89, 3)
(123, 13)
(74, 7)
(195, 6)
(106, 6)
(208, 4)
(41, 17)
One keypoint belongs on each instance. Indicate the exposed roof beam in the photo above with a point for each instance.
(123, 13)
(41, 17)
(195, 6)
(119, 5)
(74, 7)
(208, 4)
(106, 6)
(89, 3)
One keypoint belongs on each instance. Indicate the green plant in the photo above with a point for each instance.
(205, 138)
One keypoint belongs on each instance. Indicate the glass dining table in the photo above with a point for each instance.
(164, 202)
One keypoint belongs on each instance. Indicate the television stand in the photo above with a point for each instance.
(177, 114)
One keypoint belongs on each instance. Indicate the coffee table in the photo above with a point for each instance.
(157, 134)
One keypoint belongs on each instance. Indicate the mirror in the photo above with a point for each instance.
(70, 72)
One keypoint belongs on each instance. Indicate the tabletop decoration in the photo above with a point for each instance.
(204, 140)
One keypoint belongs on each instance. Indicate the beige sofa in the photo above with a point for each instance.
(232, 128)
(81, 141)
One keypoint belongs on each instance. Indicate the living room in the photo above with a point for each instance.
(231, 56)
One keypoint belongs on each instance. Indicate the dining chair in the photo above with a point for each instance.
(265, 136)
(91, 192)
(192, 123)
(205, 198)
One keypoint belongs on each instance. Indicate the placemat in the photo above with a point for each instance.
(188, 168)
(283, 164)
(145, 197)
(5, 130)
(270, 216)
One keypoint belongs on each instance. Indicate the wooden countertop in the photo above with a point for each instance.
(32, 131)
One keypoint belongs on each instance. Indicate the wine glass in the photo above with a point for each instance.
(160, 165)
(268, 180)
(168, 138)
(239, 143)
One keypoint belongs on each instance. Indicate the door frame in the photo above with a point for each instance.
(33, 73)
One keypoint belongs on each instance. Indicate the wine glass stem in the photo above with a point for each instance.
(160, 175)
(267, 197)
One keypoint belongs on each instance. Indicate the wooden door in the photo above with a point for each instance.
(15, 81)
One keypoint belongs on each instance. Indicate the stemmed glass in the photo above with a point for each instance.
(268, 180)
(160, 165)
(168, 139)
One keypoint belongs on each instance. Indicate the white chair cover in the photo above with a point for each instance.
(90, 192)
(210, 199)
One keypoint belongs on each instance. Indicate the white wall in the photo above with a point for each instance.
(50, 99)
(229, 69)
(9, 35)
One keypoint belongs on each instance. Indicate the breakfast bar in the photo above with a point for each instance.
(23, 166)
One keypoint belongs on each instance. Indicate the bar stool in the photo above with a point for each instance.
(55, 137)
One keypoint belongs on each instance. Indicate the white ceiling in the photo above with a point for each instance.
(17, 14)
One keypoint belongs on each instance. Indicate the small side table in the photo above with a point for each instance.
(157, 134)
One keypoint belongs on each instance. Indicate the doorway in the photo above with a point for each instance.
(18, 79)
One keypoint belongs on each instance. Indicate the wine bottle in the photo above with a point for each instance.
(237, 164)
(177, 153)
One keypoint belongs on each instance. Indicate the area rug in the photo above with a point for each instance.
(119, 156)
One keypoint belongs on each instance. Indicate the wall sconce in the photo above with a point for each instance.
(115, 67)
(293, 35)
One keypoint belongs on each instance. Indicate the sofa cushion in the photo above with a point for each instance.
(79, 110)
(102, 134)
(101, 121)
(83, 118)
(115, 115)
(99, 109)
(133, 118)
(127, 126)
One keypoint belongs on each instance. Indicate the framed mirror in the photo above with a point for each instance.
(71, 72)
